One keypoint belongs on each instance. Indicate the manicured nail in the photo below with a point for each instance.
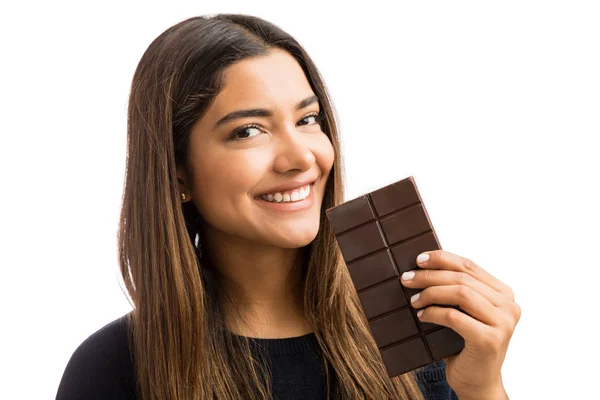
(419, 313)
(422, 258)
(415, 297)
(407, 276)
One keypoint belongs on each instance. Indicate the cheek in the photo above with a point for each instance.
(324, 154)
(223, 180)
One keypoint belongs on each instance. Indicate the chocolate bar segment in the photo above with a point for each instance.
(380, 235)
(405, 356)
(372, 270)
(356, 212)
(386, 329)
(363, 240)
(382, 299)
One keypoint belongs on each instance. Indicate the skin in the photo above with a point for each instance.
(258, 248)
(254, 246)
(448, 279)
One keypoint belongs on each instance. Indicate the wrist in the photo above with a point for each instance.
(493, 392)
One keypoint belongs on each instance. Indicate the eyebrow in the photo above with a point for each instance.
(261, 112)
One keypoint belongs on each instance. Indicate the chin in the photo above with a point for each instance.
(297, 240)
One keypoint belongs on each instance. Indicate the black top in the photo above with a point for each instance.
(101, 368)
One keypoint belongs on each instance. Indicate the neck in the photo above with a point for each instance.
(262, 294)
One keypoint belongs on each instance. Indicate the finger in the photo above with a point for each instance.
(442, 259)
(467, 327)
(419, 279)
(466, 298)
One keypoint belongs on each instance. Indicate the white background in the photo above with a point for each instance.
(493, 107)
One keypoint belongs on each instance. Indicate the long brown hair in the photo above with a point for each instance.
(181, 348)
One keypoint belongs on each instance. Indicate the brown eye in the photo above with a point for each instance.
(245, 132)
(315, 116)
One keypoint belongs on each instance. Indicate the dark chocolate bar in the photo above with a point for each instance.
(380, 235)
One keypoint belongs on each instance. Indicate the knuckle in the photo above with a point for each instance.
(425, 274)
(516, 310)
(453, 316)
(464, 293)
(469, 266)
(462, 278)
(492, 341)
(509, 292)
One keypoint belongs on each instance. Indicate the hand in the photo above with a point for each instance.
(487, 323)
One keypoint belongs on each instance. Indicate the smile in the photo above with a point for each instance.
(288, 196)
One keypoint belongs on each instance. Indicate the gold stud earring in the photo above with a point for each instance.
(183, 197)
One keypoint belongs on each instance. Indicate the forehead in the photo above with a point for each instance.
(274, 80)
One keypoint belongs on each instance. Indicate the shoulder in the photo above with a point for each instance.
(432, 382)
(101, 366)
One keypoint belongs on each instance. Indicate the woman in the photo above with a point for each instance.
(238, 287)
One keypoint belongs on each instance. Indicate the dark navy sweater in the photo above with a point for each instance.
(101, 368)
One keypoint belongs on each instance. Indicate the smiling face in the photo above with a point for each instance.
(261, 177)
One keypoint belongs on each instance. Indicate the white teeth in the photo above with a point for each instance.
(294, 195)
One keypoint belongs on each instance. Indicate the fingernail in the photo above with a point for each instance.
(419, 313)
(415, 297)
(407, 276)
(422, 258)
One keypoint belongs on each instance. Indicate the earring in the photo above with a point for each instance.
(183, 197)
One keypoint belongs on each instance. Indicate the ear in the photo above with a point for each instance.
(184, 183)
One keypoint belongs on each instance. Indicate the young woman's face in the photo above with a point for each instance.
(259, 177)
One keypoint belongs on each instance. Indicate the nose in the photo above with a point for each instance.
(293, 152)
